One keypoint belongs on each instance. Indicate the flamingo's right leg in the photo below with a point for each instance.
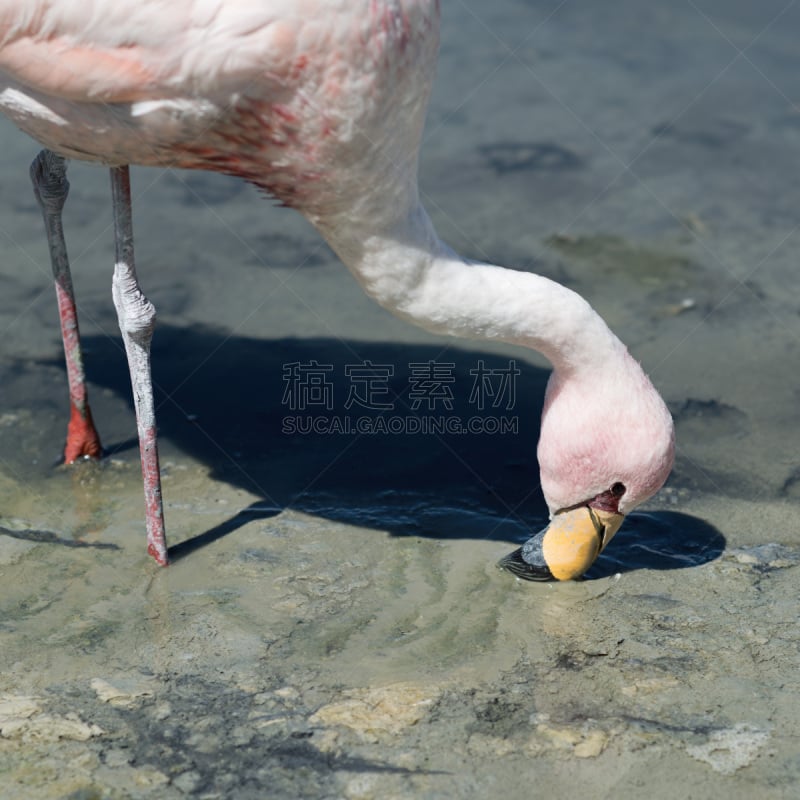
(137, 319)
(50, 185)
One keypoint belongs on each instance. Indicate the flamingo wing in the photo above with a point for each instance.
(123, 51)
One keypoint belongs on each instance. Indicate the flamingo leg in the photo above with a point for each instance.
(51, 187)
(137, 318)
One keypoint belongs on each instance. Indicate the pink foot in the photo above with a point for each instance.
(82, 437)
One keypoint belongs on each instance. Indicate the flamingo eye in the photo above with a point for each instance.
(618, 489)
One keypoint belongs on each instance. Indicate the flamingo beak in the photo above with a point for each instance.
(567, 547)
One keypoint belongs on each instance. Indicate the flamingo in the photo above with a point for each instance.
(321, 103)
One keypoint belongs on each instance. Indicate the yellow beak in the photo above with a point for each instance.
(575, 538)
(567, 547)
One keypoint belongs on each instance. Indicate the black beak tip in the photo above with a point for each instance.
(515, 564)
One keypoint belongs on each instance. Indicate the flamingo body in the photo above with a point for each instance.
(321, 103)
(313, 101)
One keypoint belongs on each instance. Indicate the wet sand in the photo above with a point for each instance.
(333, 624)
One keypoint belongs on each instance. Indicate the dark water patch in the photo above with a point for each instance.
(707, 419)
(791, 486)
(710, 134)
(500, 715)
(699, 727)
(577, 660)
(509, 157)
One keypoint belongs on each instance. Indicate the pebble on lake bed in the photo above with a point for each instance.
(770, 555)
(119, 696)
(578, 742)
(372, 712)
(730, 749)
(22, 718)
(583, 741)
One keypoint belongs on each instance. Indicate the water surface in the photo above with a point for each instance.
(334, 625)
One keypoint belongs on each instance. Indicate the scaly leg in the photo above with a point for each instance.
(137, 318)
(50, 185)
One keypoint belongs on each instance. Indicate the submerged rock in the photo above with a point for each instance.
(22, 718)
(768, 556)
(730, 749)
(372, 712)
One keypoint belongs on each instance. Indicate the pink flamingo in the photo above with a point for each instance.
(322, 104)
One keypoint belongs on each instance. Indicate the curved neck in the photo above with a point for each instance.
(404, 265)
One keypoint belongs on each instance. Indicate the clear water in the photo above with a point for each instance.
(334, 625)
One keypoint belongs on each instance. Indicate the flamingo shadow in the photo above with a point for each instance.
(659, 540)
(228, 402)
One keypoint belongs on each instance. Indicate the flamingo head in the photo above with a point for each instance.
(606, 445)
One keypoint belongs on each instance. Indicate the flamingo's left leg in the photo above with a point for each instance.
(137, 318)
(50, 185)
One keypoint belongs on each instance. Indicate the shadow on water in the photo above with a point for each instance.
(656, 540)
(276, 418)
(50, 537)
(659, 540)
(279, 419)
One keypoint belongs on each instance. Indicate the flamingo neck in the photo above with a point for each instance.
(403, 264)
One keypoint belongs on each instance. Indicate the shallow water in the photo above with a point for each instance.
(333, 624)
